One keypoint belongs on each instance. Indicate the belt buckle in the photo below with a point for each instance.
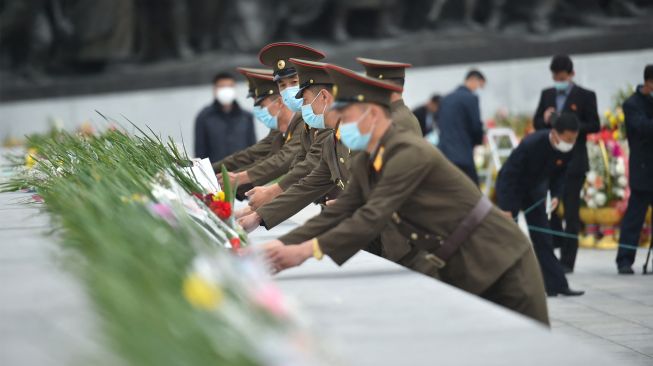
(437, 261)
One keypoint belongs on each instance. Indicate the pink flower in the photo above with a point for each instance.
(165, 212)
(269, 297)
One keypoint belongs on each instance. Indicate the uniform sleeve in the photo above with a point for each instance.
(246, 157)
(401, 175)
(201, 145)
(590, 123)
(538, 118)
(509, 187)
(637, 121)
(276, 165)
(297, 196)
(350, 200)
(308, 161)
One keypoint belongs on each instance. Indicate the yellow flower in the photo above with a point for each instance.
(613, 121)
(615, 135)
(607, 113)
(620, 116)
(29, 157)
(218, 196)
(201, 293)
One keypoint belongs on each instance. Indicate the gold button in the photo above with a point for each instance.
(342, 160)
(414, 236)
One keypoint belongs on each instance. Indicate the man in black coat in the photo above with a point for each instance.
(638, 111)
(538, 164)
(459, 121)
(566, 96)
(223, 128)
(427, 114)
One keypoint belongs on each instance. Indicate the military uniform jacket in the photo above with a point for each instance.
(325, 181)
(403, 117)
(409, 181)
(243, 159)
(307, 157)
(329, 176)
(278, 164)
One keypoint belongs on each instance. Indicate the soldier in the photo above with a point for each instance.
(270, 144)
(311, 139)
(276, 55)
(328, 178)
(430, 216)
(394, 72)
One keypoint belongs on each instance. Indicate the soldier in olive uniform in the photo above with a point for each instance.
(270, 144)
(394, 72)
(308, 156)
(276, 55)
(327, 179)
(429, 216)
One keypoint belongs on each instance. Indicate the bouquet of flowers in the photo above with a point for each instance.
(151, 247)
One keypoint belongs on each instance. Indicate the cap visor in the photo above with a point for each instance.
(338, 105)
(300, 92)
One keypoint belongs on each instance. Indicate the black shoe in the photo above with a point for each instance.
(570, 292)
(627, 270)
(551, 293)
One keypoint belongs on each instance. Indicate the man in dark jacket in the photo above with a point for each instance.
(222, 127)
(638, 111)
(567, 96)
(459, 121)
(537, 164)
(426, 114)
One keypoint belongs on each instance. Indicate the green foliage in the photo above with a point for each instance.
(133, 263)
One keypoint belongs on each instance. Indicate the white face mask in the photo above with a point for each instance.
(225, 95)
(564, 147)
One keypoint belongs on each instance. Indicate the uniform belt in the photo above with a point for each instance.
(440, 249)
(464, 228)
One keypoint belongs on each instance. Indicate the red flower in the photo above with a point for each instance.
(199, 196)
(222, 209)
(235, 243)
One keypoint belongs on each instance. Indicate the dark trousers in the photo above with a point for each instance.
(470, 171)
(571, 201)
(552, 272)
(631, 226)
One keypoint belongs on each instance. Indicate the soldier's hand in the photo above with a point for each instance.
(243, 212)
(232, 177)
(259, 196)
(507, 214)
(281, 257)
(331, 202)
(250, 222)
(547, 114)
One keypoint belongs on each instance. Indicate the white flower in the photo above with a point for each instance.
(591, 204)
(591, 176)
(591, 191)
(600, 199)
(620, 166)
(619, 192)
(622, 181)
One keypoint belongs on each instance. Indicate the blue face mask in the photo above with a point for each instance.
(352, 137)
(264, 116)
(312, 119)
(289, 99)
(561, 85)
